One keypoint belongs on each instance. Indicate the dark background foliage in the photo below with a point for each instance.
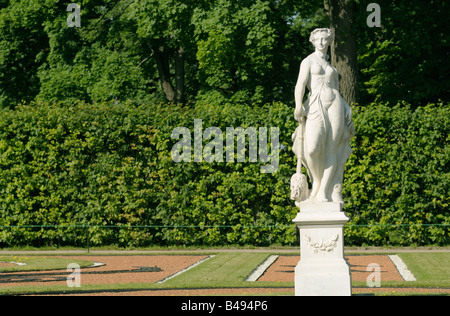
(239, 51)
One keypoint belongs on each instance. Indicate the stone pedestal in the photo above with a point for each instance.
(322, 269)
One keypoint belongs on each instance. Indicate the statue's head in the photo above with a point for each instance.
(299, 187)
(321, 38)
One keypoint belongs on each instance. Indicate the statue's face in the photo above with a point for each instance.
(321, 41)
(294, 190)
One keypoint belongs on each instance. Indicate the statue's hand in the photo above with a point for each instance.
(348, 115)
(298, 114)
(348, 120)
(352, 129)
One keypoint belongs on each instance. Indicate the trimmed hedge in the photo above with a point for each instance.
(399, 175)
(110, 165)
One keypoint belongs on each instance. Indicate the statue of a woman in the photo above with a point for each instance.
(322, 139)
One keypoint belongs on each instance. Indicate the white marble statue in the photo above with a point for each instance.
(322, 139)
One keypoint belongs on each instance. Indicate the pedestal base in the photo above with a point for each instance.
(322, 269)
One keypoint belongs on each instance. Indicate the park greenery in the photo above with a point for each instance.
(240, 51)
(108, 164)
(86, 116)
(38, 263)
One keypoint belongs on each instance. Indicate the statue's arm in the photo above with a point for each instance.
(300, 88)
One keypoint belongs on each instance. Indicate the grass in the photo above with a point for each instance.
(33, 263)
(430, 270)
(229, 269)
(224, 270)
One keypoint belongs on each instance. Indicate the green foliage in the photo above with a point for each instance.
(250, 51)
(404, 59)
(247, 51)
(22, 43)
(235, 44)
(110, 164)
(399, 175)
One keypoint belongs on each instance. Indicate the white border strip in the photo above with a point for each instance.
(402, 268)
(259, 271)
(185, 269)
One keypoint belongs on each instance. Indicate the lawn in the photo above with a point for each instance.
(224, 270)
(430, 269)
(39, 263)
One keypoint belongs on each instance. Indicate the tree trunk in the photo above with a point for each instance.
(343, 48)
(162, 62)
(179, 75)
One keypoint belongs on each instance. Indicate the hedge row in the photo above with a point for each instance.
(110, 165)
(399, 175)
